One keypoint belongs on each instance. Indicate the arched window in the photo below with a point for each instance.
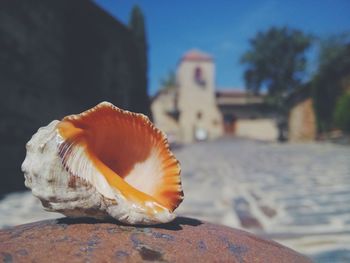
(198, 77)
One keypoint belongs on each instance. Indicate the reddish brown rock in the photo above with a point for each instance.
(183, 240)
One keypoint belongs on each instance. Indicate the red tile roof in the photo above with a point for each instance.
(196, 55)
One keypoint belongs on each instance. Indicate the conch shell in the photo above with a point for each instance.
(104, 162)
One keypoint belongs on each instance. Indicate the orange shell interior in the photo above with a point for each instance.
(115, 140)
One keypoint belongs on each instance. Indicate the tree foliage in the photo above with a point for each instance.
(137, 27)
(276, 61)
(332, 47)
(327, 84)
(169, 81)
(342, 113)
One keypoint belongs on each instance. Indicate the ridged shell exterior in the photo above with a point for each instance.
(71, 194)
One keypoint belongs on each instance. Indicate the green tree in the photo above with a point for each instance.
(169, 81)
(342, 113)
(137, 27)
(327, 84)
(276, 61)
(332, 47)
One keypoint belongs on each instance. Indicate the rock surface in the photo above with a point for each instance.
(183, 240)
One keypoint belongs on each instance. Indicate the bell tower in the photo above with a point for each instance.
(200, 118)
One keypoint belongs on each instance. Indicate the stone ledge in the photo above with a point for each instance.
(183, 240)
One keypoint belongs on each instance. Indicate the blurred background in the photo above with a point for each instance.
(254, 97)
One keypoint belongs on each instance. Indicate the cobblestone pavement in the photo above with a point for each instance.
(297, 194)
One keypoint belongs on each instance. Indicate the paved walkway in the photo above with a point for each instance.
(298, 194)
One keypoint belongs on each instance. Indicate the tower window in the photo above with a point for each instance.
(198, 77)
(199, 115)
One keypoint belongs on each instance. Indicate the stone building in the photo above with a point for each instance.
(247, 115)
(59, 57)
(188, 111)
(301, 119)
(195, 110)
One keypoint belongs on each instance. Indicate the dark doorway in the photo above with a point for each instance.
(229, 123)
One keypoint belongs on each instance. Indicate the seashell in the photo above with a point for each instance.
(104, 162)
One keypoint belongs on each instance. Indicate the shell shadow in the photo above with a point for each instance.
(174, 225)
(178, 222)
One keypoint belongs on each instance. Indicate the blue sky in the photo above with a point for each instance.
(223, 28)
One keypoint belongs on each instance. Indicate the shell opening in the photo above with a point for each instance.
(128, 151)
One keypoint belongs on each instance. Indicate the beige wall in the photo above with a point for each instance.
(162, 120)
(160, 106)
(194, 98)
(302, 122)
(259, 129)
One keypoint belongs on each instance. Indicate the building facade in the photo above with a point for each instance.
(199, 117)
(246, 115)
(194, 110)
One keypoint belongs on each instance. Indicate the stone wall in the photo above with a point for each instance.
(264, 129)
(59, 57)
(302, 122)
